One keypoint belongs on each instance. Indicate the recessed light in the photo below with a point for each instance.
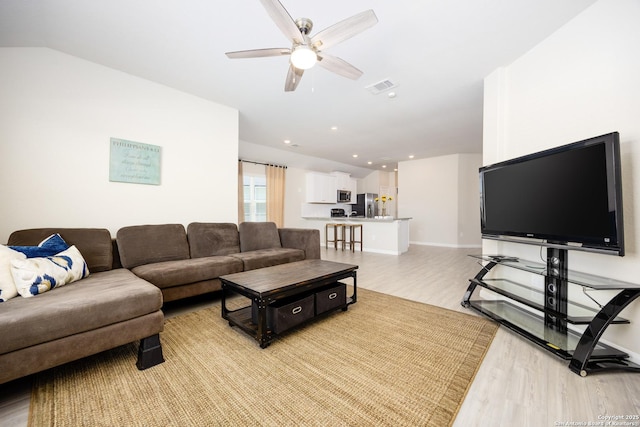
(355, 156)
(384, 166)
(369, 163)
(395, 169)
(391, 94)
(287, 141)
(334, 127)
(411, 156)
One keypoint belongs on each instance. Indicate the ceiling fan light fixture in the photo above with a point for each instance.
(303, 57)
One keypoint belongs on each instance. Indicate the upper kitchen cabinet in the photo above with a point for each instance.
(345, 182)
(321, 188)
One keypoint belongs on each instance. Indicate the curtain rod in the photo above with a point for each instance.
(259, 163)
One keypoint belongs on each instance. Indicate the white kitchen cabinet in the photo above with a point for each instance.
(345, 182)
(342, 180)
(353, 187)
(321, 188)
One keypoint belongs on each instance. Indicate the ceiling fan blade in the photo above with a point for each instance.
(338, 66)
(259, 53)
(293, 78)
(283, 20)
(344, 30)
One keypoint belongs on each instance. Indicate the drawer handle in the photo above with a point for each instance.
(296, 310)
(333, 295)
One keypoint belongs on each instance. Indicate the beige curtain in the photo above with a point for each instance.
(275, 194)
(240, 194)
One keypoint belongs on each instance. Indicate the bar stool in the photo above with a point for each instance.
(352, 237)
(338, 235)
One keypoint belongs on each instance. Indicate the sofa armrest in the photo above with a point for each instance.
(306, 239)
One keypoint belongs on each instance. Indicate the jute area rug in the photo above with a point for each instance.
(385, 361)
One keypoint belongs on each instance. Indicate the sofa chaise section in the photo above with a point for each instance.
(109, 308)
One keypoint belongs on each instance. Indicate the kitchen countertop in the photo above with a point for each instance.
(355, 218)
(382, 235)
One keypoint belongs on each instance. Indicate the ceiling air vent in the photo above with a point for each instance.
(381, 86)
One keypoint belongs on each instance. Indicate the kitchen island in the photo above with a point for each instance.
(385, 235)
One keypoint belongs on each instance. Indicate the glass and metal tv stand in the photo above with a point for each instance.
(547, 316)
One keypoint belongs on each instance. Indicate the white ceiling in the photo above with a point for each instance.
(436, 51)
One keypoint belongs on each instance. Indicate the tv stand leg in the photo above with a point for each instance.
(580, 362)
(473, 283)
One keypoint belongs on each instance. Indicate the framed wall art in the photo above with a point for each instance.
(134, 162)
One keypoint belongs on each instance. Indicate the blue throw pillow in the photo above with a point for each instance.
(48, 247)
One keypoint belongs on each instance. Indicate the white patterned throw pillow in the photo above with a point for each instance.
(33, 276)
(7, 287)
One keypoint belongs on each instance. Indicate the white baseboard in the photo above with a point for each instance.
(633, 357)
(365, 249)
(381, 251)
(446, 245)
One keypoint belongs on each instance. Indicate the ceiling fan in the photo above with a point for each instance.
(308, 50)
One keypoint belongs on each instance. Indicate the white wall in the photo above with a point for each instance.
(57, 113)
(370, 183)
(469, 200)
(582, 81)
(441, 195)
(295, 196)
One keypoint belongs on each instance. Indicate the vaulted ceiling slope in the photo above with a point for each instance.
(437, 52)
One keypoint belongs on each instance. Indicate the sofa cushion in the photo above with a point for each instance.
(209, 239)
(268, 257)
(174, 273)
(34, 276)
(148, 244)
(99, 300)
(48, 247)
(258, 235)
(93, 243)
(7, 286)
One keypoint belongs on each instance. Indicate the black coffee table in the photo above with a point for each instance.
(266, 286)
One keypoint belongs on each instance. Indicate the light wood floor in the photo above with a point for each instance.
(518, 384)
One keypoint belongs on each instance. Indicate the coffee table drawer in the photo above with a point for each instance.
(285, 314)
(331, 298)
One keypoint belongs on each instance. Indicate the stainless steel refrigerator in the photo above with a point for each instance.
(366, 205)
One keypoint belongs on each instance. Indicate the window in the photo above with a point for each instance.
(255, 197)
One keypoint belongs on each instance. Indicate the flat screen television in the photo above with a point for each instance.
(565, 196)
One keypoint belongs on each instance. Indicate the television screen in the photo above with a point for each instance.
(566, 195)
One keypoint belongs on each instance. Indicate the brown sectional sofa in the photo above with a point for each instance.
(114, 305)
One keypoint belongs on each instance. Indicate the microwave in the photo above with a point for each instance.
(344, 196)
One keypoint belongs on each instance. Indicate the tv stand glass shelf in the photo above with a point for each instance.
(547, 317)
